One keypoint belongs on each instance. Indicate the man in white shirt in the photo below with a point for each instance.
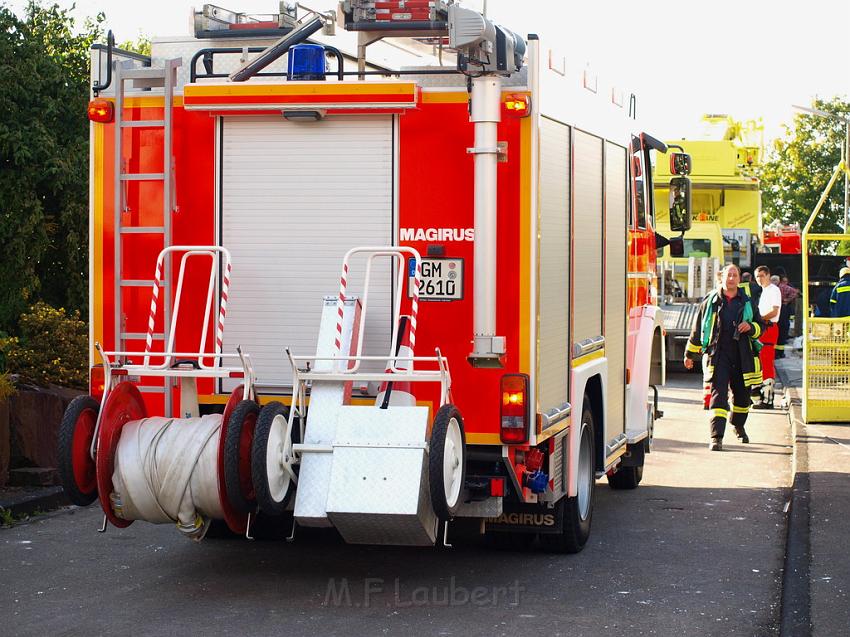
(770, 305)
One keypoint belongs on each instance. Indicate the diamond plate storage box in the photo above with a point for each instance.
(379, 480)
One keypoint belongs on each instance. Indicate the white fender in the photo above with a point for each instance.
(643, 324)
(580, 376)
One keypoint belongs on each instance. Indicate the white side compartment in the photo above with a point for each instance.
(616, 221)
(554, 253)
(588, 247)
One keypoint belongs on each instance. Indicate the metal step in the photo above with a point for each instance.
(140, 336)
(144, 123)
(150, 389)
(141, 283)
(142, 176)
(142, 229)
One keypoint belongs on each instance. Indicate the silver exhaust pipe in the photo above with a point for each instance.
(486, 104)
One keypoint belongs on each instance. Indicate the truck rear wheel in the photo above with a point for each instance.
(626, 478)
(578, 510)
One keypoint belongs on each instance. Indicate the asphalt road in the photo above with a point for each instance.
(697, 549)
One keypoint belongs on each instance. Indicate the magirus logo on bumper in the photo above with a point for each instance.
(525, 519)
(528, 518)
(436, 234)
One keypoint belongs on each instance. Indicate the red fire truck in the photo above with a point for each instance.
(441, 304)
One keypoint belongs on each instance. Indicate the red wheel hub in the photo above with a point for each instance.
(85, 472)
(124, 404)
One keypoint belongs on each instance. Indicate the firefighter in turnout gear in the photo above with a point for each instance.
(839, 299)
(726, 329)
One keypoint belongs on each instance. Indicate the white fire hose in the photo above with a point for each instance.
(166, 470)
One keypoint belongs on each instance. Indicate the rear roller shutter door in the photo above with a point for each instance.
(295, 197)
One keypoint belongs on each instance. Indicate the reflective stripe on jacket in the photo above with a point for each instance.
(839, 300)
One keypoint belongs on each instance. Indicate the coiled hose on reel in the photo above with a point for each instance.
(166, 470)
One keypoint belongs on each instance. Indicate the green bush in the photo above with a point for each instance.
(52, 348)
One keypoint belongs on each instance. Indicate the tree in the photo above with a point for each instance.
(44, 89)
(142, 45)
(799, 166)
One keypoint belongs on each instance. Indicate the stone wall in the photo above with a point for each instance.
(5, 443)
(29, 423)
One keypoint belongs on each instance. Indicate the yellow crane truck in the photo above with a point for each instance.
(726, 204)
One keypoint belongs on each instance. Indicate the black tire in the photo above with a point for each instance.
(237, 453)
(445, 510)
(79, 411)
(576, 527)
(626, 478)
(266, 499)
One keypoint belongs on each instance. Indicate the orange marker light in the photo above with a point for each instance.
(101, 110)
(513, 398)
(518, 105)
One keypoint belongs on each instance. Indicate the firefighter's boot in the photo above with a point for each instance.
(741, 433)
(766, 401)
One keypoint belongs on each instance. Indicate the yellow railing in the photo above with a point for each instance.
(826, 342)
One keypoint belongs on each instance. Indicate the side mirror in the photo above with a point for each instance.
(680, 204)
(680, 164)
(677, 247)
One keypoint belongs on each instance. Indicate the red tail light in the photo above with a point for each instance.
(96, 381)
(514, 409)
(101, 110)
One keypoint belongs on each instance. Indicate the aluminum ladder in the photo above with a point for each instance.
(164, 78)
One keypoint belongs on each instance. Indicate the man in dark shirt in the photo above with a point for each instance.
(789, 298)
(726, 329)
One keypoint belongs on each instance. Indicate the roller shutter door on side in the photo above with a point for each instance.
(616, 220)
(554, 255)
(588, 242)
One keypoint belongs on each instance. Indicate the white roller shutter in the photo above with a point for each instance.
(616, 222)
(554, 271)
(295, 197)
(588, 246)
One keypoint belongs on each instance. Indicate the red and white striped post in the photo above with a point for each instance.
(222, 310)
(154, 299)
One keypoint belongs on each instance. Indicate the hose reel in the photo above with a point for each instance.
(164, 470)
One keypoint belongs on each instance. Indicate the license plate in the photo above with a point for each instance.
(440, 280)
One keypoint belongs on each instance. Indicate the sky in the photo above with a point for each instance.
(747, 58)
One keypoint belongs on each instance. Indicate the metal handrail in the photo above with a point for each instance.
(373, 252)
(807, 237)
